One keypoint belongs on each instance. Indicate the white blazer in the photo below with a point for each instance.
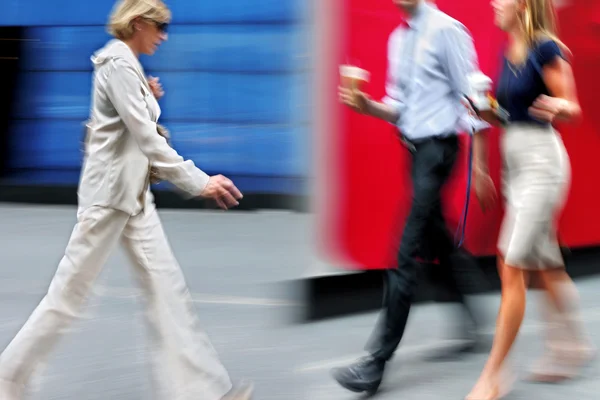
(122, 142)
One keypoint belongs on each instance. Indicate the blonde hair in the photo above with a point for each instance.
(125, 11)
(539, 22)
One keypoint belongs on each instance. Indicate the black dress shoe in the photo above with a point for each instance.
(363, 376)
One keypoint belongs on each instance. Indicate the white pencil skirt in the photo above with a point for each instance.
(536, 175)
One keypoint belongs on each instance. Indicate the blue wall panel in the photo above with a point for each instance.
(226, 148)
(194, 96)
(78, 12)
(63, 95)
(226, 48)
(236, 74)
(243, 149)
(46, 144)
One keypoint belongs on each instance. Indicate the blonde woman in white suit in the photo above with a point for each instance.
(123, 151)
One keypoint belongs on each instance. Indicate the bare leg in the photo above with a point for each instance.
(568, 346)
(564, 297)
(510, 317)
(553, 335)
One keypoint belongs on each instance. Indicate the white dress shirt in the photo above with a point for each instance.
(429, 62)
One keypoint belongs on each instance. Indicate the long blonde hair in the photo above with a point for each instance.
(539, 22)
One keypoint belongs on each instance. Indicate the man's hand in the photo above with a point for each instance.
(485, 191)
(156, 87)
(489, 116)
(223, 191)
(354, 99)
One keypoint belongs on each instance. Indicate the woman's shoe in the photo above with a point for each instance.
(500, 390)
(561, 364)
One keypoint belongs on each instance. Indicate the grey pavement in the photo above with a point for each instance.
(238, 266)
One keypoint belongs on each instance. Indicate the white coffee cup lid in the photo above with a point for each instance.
(352, 71)
(479, 80)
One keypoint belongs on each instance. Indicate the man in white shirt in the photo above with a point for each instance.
(430, 57)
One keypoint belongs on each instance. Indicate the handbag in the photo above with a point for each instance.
(164, 132)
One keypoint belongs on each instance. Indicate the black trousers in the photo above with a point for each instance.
(425, 232)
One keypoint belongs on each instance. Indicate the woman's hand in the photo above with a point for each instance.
(223, 191)
(491, 117)
(156, 87)
(354, 99)
(549, 109)
(485, 191)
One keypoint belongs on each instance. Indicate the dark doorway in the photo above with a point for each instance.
(11, 39)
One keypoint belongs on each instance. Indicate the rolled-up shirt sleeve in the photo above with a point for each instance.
(124, 91)
(391, 99)
(461, 62)
(392, 91)
(471, 124)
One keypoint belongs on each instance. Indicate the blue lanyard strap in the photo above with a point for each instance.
(459, 236)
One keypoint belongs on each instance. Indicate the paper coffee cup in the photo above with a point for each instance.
(353, 77)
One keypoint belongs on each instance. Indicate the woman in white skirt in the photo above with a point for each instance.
(537, 88)
(124, 151)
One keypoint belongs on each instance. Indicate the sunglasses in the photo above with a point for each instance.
(161, 26)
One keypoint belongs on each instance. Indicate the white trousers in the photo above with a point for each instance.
(184, 362)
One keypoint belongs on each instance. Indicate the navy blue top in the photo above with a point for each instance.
(518, 90)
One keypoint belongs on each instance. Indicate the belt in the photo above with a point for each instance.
(413, 144)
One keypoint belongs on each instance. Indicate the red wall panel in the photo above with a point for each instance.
(366, 212)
